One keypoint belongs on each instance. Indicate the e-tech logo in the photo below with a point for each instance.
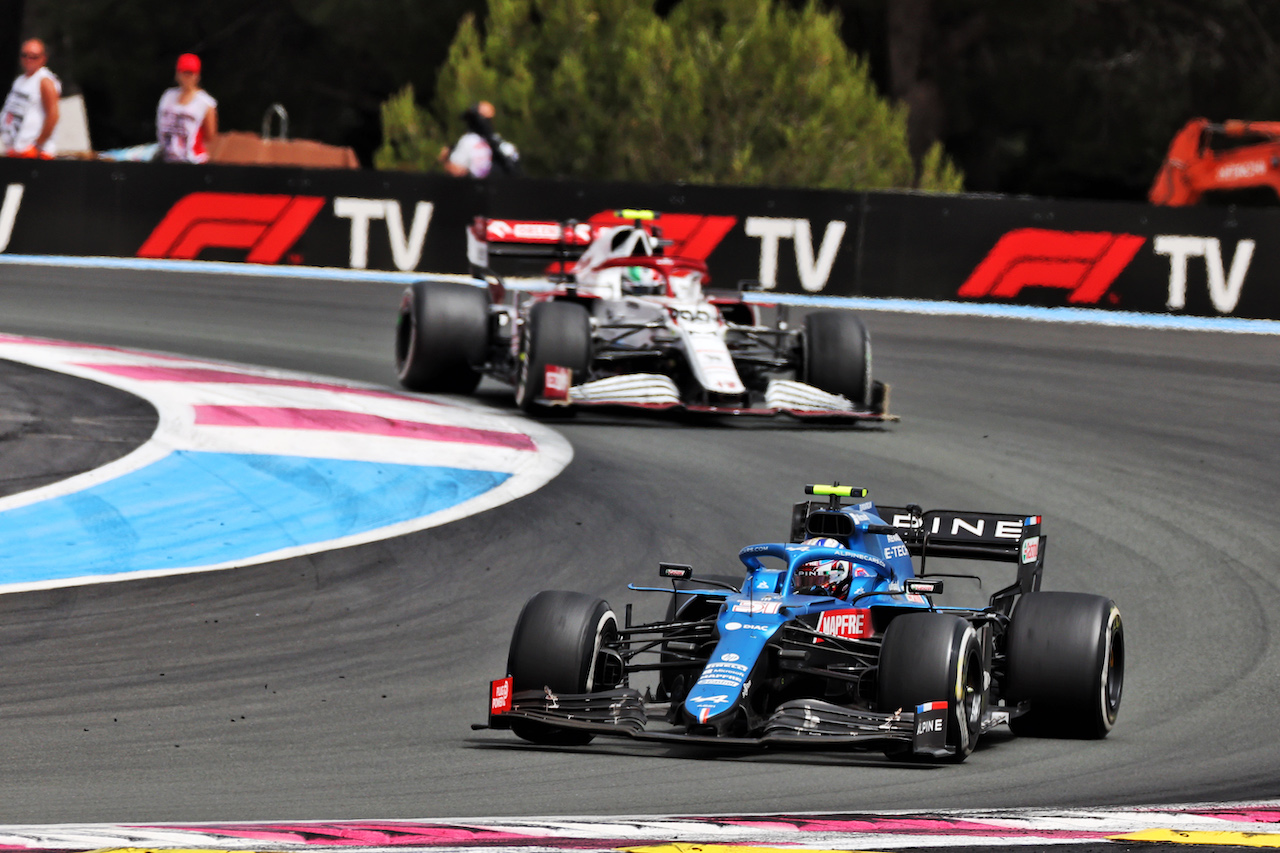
(264, 225)
(1083, 262)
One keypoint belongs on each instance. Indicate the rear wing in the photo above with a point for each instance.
(543, 241)
(550, 247)
(1003, 537)
(552, 242)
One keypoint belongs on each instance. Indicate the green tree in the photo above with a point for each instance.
(717, 91)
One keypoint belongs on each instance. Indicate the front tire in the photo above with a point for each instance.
(927, 657)
(556, 333)
(837, 355)
(557, 645)
(1066, 659)
(442, 334)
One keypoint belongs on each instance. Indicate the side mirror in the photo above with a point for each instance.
(919, 586)
(676, 571)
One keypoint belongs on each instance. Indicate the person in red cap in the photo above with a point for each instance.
(30, 113)
(187, 118)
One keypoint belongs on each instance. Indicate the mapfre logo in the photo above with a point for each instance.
(265, 226)
(854, 624)
(1083, 262)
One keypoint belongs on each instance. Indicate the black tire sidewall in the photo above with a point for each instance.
(921, 656)
(555, 333)
(553, 646)
(554, 642)
(1059, 649)
(837, 355)
(442, 336)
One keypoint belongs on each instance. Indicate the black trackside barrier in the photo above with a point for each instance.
(1021, 251)
(1208, 261)
(315, 217)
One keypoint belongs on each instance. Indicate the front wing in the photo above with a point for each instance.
(658, 392)
(800, 723)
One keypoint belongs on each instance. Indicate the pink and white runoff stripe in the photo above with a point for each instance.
(808, 832)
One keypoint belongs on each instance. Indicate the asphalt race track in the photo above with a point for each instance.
(343, 685)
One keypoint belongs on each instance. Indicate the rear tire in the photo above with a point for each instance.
(1066, 658)
(556, 333)
(556, 645)
(928, 657)
(837, 355)
(442, 334)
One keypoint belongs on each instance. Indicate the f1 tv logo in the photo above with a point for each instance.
(1083, 262)
(264, 225)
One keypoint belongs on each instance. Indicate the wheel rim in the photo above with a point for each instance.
(1112, 682)
(969, 689)
(606, 628)
(522, 381)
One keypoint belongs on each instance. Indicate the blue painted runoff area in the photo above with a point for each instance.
(1090, 316)
(194, 509)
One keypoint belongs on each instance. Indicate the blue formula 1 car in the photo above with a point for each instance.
(836, 639)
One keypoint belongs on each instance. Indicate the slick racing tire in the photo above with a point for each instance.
(1065, 657)
(837, 355)
(557, 646)
(441, 336)
(928, 657)
(556, 333)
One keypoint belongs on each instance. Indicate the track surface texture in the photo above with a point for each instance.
(342, 685)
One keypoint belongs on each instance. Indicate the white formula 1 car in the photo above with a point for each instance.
(616, 322)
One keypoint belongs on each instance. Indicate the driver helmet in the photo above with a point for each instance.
(642, 281)
(823, 577)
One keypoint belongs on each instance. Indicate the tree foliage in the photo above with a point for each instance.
(718, 91)
(1072, 98)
